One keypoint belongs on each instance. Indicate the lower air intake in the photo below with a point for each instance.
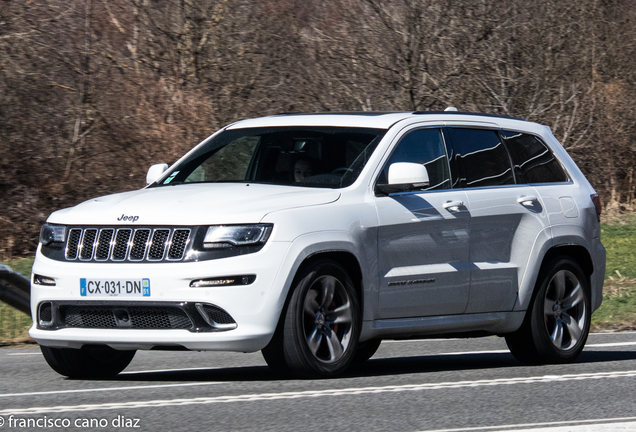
(138, 317)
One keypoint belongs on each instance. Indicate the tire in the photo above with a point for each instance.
(366, 350)
(320, 326)
(558, 321)
(88, 362)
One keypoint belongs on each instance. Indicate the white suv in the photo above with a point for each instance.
(313, 237)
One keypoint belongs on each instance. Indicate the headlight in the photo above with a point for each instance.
(52, 233)
(224, 236)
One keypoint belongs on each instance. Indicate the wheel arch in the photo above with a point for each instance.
(346, 259)
(576, 252)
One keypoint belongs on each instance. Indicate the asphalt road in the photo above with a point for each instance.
(446, 384)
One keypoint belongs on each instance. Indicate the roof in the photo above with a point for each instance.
(381, 120)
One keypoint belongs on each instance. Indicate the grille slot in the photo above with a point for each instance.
(158, 245)
(88, 242)
(74, 237)
(121, 244)
(179, 243)
(103, 244)
(127, 244)
(141, 317)
(139, 244)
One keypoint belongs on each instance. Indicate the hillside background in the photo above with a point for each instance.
(92, 92)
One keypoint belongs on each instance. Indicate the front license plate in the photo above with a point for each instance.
(114, 287)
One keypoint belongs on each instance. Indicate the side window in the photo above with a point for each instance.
(426, 147)
(532, 160)
(483, 157)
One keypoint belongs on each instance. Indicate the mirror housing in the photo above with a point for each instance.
(404, 177)
(154, 172)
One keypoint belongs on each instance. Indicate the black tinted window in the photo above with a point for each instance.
(533, 162)
(483, 157)
(426, 147)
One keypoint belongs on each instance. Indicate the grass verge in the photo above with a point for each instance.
(14, 325)
(618, 310)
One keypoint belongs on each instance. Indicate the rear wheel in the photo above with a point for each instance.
(88, 362)
(320, 327)
(558, 322)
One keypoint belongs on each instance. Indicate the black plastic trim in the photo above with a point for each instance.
(200, 324)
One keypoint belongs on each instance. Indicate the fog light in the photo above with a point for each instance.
(43, 280)
(223, 281)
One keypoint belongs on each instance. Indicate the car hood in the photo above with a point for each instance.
(193, 204)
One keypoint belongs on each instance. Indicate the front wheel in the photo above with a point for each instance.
(89, 362)
(320, 326)
(558, 322)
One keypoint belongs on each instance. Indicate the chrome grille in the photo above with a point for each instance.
(126, 244)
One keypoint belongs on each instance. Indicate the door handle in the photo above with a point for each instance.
(453, 206)
(527, 201)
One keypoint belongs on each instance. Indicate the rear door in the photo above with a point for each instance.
(506, 218)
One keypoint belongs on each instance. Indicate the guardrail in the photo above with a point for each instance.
(15, 289)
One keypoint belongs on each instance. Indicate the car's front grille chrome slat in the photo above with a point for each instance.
(111, 244)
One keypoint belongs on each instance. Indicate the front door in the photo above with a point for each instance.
(423, 237)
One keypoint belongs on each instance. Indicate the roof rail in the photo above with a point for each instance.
(446, 111)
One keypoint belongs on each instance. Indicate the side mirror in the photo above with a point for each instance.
(154, 172)
(404, 177)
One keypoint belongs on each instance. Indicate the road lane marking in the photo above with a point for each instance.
(103, 389)
(23, 354)
(574, 425)
(172, 370)
(613, 344)
(316, 393)
(599, 345)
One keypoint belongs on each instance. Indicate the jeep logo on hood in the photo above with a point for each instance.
(125, 218)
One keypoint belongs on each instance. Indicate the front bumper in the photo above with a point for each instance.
(254, 308)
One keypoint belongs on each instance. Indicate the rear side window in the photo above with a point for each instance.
(483, 158)
(533, 161)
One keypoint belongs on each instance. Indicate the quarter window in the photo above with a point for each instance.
(533, 162)
(484, 158)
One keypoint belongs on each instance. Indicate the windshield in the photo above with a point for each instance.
(324, 157)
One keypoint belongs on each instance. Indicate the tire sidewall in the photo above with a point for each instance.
(544, 345)
(297, 353)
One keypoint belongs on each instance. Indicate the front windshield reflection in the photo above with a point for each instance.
(326, 157)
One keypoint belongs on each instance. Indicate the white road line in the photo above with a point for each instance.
(576, 425)
(600, 345)
(615, 344)
(314, 394)
(104, 389)
(171, 370)
(23, 354)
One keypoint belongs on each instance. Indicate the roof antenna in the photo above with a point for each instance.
(451, 109)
